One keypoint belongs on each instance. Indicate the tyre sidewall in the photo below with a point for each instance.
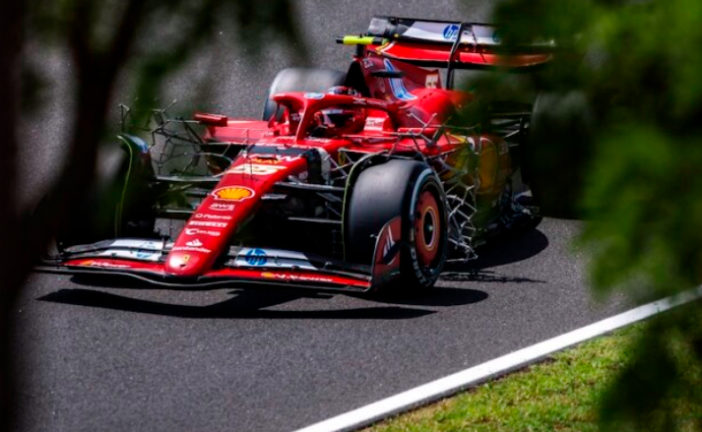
(414, 273)
(383, 192)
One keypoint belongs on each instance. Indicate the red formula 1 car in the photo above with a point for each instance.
(352, 181)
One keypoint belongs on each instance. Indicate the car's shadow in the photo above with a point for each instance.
(251, 303)
(507, 249)
(254, 303)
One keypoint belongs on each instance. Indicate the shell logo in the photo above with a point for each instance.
(233, 193)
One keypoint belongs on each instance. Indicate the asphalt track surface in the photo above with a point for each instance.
(117, 358)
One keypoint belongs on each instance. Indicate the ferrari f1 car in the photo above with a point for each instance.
(355, 181)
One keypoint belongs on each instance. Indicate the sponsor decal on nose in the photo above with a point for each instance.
(222, 207)
(255, 169)
(207, 224)
(214, 216)
(233, 193)
(196, 231)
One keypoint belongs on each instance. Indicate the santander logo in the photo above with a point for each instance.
(195, 231)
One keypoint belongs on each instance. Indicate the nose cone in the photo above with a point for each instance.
(185, 264)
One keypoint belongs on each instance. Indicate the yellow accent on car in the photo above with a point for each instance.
(233, 193)
(359, 40)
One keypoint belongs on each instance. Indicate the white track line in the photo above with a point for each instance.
(461, 380)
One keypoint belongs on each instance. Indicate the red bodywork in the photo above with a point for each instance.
(398, 107)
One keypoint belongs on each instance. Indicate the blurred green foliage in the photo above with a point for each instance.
(167, 35)
(107, 46)
(638, 65)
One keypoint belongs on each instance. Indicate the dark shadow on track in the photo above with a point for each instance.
(245, 304)
(506, 249)
(437, 296)
(485, 276)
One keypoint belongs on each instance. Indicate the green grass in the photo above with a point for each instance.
(558, 394)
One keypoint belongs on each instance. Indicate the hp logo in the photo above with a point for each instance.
(256, 257)
(451, 32)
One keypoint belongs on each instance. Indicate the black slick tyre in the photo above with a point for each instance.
(411, 190)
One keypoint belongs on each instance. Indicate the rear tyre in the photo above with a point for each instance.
(301, 80)
(408, 189)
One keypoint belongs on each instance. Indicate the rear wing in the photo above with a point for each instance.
(449, 44)
(441, 32)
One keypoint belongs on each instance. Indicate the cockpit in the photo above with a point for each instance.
(340, 111)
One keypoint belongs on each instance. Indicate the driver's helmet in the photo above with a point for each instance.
(343, 90)
(342, 120)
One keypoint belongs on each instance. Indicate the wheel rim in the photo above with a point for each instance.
(427, 228)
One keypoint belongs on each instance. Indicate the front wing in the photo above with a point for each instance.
(144, 260)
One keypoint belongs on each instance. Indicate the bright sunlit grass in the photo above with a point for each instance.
(559, 394)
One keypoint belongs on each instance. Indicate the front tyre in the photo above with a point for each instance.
(411, 190)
